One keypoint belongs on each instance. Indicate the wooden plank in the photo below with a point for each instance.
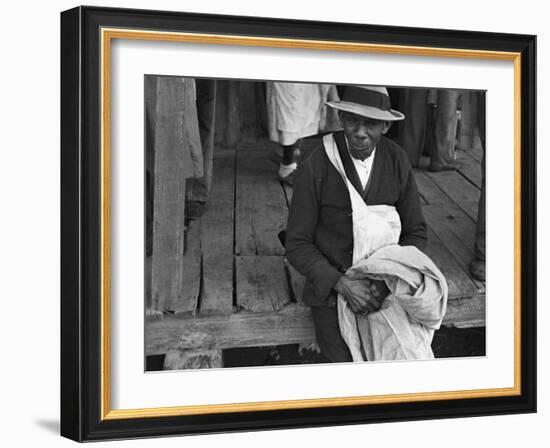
(465, 313)
(261, 210)
(193, 359)
(460, 284)
(191, 263)
(457, 231)
(469, 168)
(453, 226)
(458, 189)
(171, 160)
(217, 238)
(428, 190)
(476, 150)
(261, 283)
(293, 324)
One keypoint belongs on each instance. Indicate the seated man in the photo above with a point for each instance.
(319, 240)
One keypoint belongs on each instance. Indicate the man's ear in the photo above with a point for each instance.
(387, 126)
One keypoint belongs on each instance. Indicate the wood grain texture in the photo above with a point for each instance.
(169, 193)
(217, 237)
(469, 168)
(292, 324)
(457, 231)
(465, 313)
(460, 284)
(458, 189)
(261, 283)
(261, 210)
(193, 359)
(187, 299)
(428, 189)
(476, 150)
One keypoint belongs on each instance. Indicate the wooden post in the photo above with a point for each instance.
(193, 359)
(172, 163)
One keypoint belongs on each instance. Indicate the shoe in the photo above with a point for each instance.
(288, 180)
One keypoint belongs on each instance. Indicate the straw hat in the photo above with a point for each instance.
(367, 101)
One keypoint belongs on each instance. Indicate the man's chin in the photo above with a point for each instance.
(361, 150)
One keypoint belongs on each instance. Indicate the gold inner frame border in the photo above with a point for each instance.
(107, 35)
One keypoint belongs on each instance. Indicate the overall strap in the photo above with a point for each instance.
(331, 149)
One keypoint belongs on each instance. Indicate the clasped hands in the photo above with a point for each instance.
(363, 295)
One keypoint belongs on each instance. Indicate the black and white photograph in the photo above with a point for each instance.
(291, 223)
(281, 224)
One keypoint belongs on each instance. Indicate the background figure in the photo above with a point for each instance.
(477, 266)
(199, 188)
(295, 111)
(410, 134)
(442, 156)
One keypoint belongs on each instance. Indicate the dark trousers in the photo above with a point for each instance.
(479, 247)
(327, 332)
(411, 132)
(199, 189)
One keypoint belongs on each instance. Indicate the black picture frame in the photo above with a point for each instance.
(81, 224)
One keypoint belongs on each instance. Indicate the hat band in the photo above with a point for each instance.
(367, 97)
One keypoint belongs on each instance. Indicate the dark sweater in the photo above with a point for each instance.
(319, 238)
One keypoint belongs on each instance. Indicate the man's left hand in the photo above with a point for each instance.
(379, 290)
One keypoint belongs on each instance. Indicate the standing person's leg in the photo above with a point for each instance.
(289, 163)
(443, 153)
(198, 189)
(411, 131)
(477, 266)
(468, 119)
(327, 333)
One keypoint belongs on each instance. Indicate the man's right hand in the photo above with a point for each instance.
(358, 294)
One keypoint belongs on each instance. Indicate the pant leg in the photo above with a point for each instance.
(443, 152)
(198, 189)
(468, 120)
(411, 131)
(327, 332)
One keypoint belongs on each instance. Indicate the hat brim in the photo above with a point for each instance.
(367, 111)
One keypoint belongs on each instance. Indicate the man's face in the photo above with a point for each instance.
(363, 133)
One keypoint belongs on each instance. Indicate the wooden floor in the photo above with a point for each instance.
(238, 281)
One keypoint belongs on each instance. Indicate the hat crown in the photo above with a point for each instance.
(367, 101)
(370, 96)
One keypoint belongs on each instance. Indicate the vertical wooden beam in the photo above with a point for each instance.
(169, 192)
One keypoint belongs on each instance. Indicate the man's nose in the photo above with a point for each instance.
(361, 131)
